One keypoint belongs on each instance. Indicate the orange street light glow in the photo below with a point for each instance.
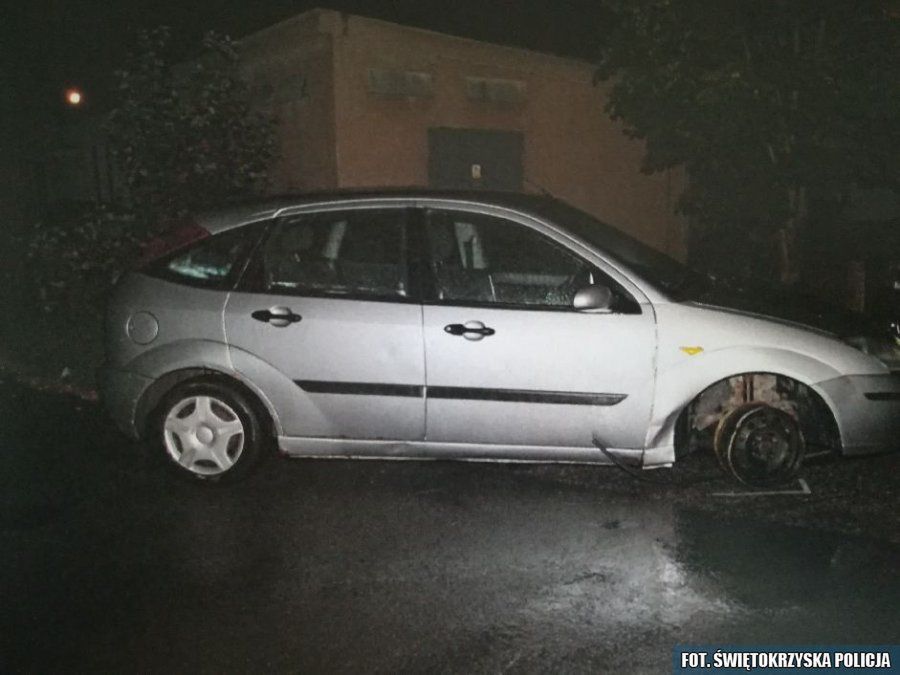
(73, 97)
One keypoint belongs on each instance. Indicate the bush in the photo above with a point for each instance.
(187, 136)
(70, 267)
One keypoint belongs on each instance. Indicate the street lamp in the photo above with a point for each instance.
(74, 97)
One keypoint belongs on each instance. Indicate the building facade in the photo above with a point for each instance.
(365, 103)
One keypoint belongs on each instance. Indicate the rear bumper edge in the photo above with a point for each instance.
(120, 391)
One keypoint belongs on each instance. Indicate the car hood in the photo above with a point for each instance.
(785, 307)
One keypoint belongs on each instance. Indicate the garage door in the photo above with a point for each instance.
(485, 159)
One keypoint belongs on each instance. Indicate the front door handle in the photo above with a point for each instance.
(471, 330)
(277, 316)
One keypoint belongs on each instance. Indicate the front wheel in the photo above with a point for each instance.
(758, 444)
(210, 431)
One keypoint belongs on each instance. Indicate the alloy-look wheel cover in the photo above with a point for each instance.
(203, 435)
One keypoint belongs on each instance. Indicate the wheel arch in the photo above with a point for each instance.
(679, 386)
(802, 400)
(156, 392)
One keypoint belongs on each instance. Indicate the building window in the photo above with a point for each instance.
(400, 83)
(279, 88)
(505, 93)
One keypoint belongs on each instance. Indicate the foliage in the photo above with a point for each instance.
(768, 104)
(187, 136)
(72, 265)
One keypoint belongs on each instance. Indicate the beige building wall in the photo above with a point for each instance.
(290, 69)
(361, 139)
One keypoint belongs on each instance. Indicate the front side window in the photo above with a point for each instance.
(359, 253)
(654, 266)
(480, 259)
(483, 259)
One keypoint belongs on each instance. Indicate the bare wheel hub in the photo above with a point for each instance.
(759, 445)
(763, 445)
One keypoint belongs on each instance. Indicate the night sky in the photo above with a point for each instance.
(51, 44)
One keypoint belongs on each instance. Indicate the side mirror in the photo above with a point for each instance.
(593, 298)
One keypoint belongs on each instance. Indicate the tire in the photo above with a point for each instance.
(208, 431)
(758, 444)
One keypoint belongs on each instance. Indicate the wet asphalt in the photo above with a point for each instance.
(108, 564)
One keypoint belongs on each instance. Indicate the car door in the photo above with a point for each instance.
(509, 361)
(324, 321)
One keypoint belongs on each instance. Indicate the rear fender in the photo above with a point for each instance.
(176, 362)
(180, 355)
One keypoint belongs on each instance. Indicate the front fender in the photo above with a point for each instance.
(685, 379)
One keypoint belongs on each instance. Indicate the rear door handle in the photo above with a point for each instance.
(471, 330)
(277, 316)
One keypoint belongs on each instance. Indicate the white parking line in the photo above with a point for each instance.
(804, 490)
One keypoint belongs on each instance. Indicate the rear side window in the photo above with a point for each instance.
(213, 262)
(358, 254)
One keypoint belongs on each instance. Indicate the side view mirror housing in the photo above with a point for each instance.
(593, 298)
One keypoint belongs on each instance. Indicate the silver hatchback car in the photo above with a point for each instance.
(420, 324)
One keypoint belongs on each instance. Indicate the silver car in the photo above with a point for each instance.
(475, 326)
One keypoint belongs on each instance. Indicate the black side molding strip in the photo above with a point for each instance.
(883, 396)
(525, 396)
(362, 388)
(459, 393)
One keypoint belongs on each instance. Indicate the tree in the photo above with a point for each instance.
(768, 104)
(187, 136)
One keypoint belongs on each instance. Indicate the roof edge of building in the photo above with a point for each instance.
(298, 19)
(334, 22)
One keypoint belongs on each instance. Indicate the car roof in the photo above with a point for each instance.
(267, 207)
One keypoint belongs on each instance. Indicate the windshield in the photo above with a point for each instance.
(659, 269)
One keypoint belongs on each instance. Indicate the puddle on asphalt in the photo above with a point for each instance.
(441, 554)
(679, 568)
